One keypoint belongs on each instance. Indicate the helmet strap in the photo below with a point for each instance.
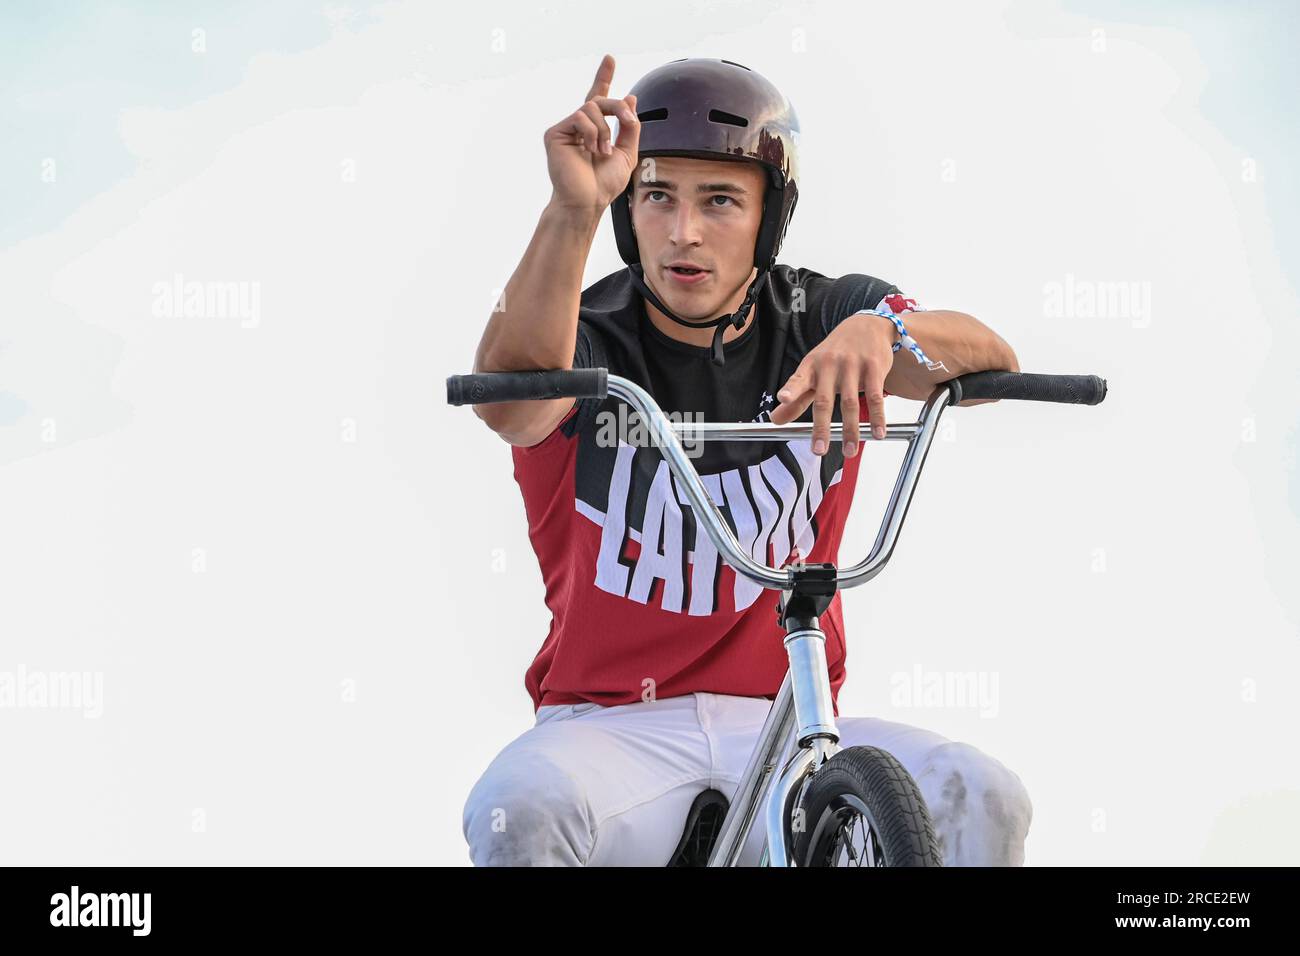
(736, 318)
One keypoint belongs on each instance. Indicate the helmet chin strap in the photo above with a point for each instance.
(736, 318)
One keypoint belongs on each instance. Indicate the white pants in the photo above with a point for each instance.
(611, 786)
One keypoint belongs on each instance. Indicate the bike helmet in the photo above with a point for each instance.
(716, 109)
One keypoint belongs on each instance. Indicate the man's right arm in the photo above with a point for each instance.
(535, 324)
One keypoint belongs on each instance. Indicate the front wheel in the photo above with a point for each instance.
(862, 808)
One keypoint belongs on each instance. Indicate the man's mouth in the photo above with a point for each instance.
(687, 274)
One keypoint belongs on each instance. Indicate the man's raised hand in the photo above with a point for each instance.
(587, 170)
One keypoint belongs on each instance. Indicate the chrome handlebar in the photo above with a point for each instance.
(541, 384)
(667, 436)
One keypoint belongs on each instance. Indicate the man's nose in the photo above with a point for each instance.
(685, 227)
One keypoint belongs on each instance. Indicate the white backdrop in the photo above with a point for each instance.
(265, 598)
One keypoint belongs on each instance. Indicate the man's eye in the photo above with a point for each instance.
(727, 198)
(655, 192)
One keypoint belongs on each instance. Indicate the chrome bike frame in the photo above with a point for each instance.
(802, 716)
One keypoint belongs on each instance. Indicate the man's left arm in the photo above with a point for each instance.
(856, 358)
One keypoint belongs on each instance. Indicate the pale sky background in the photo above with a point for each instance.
(305, 582)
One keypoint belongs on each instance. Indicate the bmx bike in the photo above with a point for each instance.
(821, 805)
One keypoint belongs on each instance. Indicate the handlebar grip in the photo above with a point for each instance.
(1029, 386)
(484, 388)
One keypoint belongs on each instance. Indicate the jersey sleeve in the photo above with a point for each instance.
(576, 416)
(587, 353)
(849, 294)
(898, 304)
(859, 295)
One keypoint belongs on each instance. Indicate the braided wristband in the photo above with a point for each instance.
(905, 341)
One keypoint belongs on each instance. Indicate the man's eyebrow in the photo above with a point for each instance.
(701, 188)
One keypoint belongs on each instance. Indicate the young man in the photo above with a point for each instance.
(660, 664)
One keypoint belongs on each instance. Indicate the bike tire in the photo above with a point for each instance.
(868, 784)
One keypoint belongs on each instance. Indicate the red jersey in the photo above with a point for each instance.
(642, 605)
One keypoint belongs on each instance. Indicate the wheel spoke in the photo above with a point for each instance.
(849, 849)
(845, 848)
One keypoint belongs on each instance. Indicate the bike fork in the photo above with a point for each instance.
(803, 705)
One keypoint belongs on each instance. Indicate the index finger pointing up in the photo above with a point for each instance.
(604, 76)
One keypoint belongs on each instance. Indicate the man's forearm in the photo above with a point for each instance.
(955, 343)
(535, 324)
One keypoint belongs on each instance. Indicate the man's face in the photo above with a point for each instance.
(700, 212)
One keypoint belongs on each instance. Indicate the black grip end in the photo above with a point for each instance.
(484, 388)
(1028, 386)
